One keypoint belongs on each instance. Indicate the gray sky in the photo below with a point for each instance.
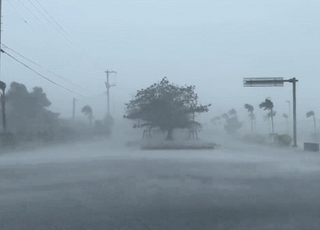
(211, 44)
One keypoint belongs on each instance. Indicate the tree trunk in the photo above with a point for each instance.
(169, 135)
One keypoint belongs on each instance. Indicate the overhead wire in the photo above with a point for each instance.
(50, 22)
(68, 43)
(54, 21)
(6, 47)
(28, 59)
(67, 80)
(74, 41)
(39, 20)
(33, 14)
(25, 21)
(61, 31)
(39, 74)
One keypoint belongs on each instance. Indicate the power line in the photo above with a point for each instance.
(67, 35)
(6, 47)
(95, 96)
(41, 74)
(28, 59)
(25, 21)
(50, 22)
(53, 19)
(62, 32)
(38, 19)
(32, 14)
(70, 38)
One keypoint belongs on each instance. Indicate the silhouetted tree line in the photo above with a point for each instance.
(29, 119)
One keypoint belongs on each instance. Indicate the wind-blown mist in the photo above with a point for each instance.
(106, 184)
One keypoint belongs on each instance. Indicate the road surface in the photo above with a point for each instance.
(103, 185)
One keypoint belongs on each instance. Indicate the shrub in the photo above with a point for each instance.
(284, 139)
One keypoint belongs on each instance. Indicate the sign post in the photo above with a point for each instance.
(277, 82)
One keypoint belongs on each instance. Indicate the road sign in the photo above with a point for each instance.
(276, 82)
(263, 82)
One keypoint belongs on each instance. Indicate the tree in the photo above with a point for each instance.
(40, 97)
(250, 109)
(268, 105)
(232, 122)
(87, 110)
(311, 114)
(27, 111)
(166, 106)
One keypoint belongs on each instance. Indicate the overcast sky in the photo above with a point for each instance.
(210, 44)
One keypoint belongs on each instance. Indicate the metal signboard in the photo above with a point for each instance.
(263, 82)
(276, 82)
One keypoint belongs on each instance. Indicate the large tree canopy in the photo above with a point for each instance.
(165, 105)
(27, 111)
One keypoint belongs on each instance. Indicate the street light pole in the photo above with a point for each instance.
(293, 81)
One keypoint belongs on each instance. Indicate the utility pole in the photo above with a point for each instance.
(108, 89)
(0, 20)
(2, 84)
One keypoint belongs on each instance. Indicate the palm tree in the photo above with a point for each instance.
(87, 110)
(268, 105)
(250, 109)
(311, 114)
(232, 112)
